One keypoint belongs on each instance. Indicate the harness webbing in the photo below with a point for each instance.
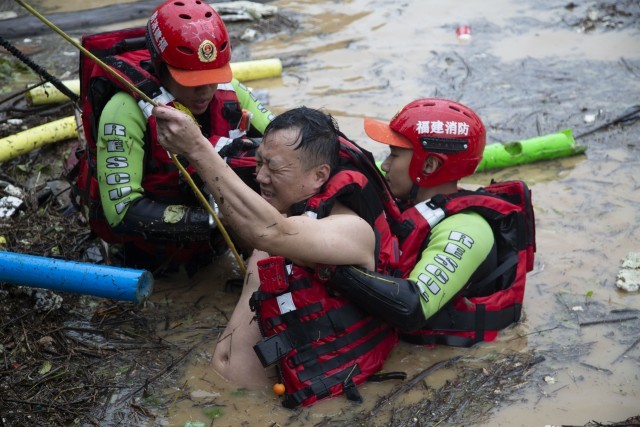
(315, 369)
(320, 388)
(295, 315)
(477, 321)
(304, 357)
(139, 80)
(273, 348)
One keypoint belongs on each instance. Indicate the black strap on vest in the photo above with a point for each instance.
(122, 46)
(305, 357)
(270, 350)
(477, 321)
(295, 316)
(148, 86)
(315, 369)
(321, 388)
(506, 265)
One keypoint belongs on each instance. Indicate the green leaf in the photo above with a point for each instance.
(240, 392)
(45, 368)
(213, 412)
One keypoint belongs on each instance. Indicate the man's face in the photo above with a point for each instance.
(396, 168)
(283, 177)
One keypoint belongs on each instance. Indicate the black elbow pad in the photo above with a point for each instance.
(147, 218)
(391, 299)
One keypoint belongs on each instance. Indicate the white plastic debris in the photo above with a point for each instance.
(248, 35)
(8, 15)
(577, 308)
(15, 122)
(46, 301)
(628, 278)
(14, 191)
(244, 10)
(93, 253)
(8, 206)
(549, 379)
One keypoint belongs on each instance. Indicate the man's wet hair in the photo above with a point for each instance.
(318, 137)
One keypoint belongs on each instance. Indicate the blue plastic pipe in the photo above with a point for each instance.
(124, 284)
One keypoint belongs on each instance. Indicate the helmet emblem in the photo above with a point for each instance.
(207, 51)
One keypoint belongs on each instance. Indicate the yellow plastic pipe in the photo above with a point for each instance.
(257, 69)
(243, 71)
(49, 94)
(30, 139)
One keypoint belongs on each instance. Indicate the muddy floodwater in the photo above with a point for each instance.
(527, 73)
(530, 68)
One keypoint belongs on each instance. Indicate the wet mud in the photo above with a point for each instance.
(529, 69)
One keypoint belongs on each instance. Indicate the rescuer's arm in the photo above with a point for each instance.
(120, 166)
(457, 247)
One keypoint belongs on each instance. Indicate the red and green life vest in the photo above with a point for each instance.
(469, 319)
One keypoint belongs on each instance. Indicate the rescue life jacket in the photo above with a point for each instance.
(468, 319)
(323, 344)
(125, 52)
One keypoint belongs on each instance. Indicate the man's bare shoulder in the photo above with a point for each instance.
(340, 209)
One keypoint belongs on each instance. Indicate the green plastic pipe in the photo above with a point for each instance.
(553, 146)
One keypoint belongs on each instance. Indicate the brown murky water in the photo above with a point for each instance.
(527, 73)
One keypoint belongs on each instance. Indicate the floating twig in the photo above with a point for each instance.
(635, 343)
(629, 115)
(534, 332)
(413, 381)
(597, 368)
(603, 321)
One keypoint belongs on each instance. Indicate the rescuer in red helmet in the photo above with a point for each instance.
(464, 254)
(136, 195)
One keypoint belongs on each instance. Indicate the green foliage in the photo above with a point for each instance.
(588, 296)
(5, 70)
(240, 392)
(10, 69)
(213, 412)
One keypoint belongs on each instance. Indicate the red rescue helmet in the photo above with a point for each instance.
(448, 130)
(190, 37)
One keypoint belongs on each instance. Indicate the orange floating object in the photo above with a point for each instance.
(278, 389)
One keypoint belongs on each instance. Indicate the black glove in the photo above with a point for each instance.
(239, 145)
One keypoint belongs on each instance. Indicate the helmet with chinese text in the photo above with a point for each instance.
(448, 130)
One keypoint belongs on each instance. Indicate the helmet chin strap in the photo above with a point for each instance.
(413, 194)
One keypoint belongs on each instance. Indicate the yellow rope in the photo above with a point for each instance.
(121, 79)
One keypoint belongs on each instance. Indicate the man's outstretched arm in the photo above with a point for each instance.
(341, 238)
